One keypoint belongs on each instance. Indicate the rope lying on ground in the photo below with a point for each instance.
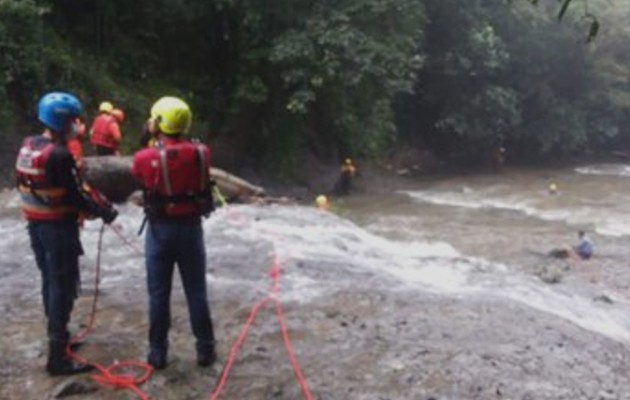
(108, 375)
(273, 296)
(125, 380)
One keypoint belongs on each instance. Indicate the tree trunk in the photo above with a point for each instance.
(112, 176)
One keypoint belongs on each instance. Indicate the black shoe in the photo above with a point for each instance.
(207, 358)
(59, 364)
(67, 367)
(157, 360)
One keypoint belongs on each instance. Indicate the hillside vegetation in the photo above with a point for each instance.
(269, 80)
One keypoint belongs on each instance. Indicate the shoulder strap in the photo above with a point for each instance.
(164, 169)
(203, 168)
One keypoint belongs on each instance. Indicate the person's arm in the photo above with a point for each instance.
(62, 172)
(114, 130)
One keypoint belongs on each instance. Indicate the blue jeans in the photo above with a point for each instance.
(170, 242)
(57, 248)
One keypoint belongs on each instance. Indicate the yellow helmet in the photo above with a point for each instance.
(105, 107)
(321, 201)
(172, 115)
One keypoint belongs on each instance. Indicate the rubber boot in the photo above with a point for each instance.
(59, 364)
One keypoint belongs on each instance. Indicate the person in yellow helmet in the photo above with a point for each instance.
(322, 202)
(105, 135)
(175, 177)
(343, 186)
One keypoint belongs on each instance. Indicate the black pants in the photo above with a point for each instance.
(57, 248)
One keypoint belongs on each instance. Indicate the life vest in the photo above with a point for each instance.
(101, 134)
(40, 200)
(175, 178)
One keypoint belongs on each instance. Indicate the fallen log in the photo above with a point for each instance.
(112, 176)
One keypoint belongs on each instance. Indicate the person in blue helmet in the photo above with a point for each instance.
(53, 196)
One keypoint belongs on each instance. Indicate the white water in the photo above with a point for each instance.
(346, 254)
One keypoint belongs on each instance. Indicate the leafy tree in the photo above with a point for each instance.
(21, 63)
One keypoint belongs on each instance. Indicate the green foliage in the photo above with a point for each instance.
(277, 77)
(21, 63)
(512, 74)
(337, 63)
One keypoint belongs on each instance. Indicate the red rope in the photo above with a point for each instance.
(274, 295)
(107, 375)
(126, 241)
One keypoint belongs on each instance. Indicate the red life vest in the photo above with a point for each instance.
(175, 178)
(101, 132)
(40, 200)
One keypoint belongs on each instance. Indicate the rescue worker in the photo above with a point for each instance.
(74, 144)
(177, 193)
(347, 173)
(322, 202)
(105, 133)
(584, 249)
(53, 195)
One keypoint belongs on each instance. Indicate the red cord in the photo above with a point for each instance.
(131, 381)
(274, 295)
(126, 241)
(107, 375)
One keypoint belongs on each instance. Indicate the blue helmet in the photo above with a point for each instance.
(56, 108)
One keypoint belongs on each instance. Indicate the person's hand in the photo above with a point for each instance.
(109, 215)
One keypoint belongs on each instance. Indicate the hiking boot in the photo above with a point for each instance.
(206, 358)
(157, 359)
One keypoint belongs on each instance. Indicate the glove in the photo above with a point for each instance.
(109, 215)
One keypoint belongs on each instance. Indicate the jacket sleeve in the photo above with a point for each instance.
(62, 171)
(114, 130)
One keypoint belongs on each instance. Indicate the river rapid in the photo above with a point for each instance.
(432, 289)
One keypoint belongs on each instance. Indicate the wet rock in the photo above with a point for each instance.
(606, 395)
(74, 386)
(559, 253)
(603, 298)
(551, 274)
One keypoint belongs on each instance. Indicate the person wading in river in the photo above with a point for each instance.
(346, 175)
(53, 196)
(176, 185)
(584, 249)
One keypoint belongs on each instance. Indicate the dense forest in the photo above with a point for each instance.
(269, 80)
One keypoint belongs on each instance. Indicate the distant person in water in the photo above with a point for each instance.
(553, 189)
(346, 175)
(584, 249)
(322, 202)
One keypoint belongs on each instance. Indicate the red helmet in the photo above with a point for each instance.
(118, 114)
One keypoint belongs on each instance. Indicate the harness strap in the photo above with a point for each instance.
(164, 169)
